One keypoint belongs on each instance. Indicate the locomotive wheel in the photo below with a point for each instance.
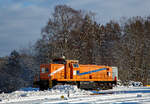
(78, 84)
(43, 85)
(105, 87)
(110, 85)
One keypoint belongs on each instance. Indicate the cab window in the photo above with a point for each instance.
(44, 70)
(75, 65)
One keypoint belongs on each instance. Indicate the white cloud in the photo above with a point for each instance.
(21, 20)
(113, 9)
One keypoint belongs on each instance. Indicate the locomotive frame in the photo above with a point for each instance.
(71, 72)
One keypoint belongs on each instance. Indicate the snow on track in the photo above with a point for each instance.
(121, 94)
(55, 93)
(105, 99)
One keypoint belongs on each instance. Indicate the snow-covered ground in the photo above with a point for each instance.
(71, 94)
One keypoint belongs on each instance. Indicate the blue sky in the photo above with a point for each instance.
(21, 21)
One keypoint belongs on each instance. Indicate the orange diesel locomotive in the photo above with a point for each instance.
(71, 72)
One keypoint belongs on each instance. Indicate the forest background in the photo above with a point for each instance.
(76, 34)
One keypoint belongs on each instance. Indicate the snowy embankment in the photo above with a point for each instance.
(55, 93)
(71, 94)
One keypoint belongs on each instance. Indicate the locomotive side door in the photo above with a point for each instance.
(73, 69)
(70, 66)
